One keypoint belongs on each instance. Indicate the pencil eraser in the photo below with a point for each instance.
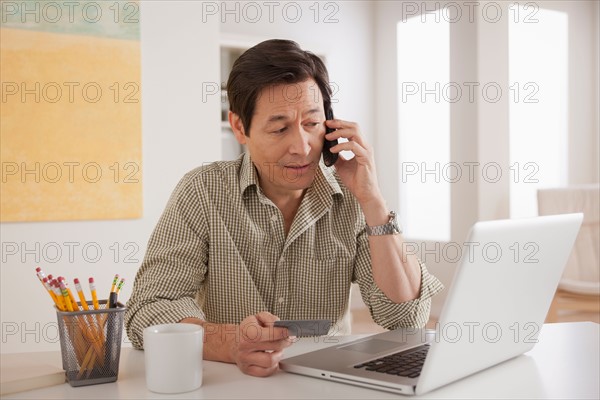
(38, 269)
(91, 280)
(50, 276)
(76, 281)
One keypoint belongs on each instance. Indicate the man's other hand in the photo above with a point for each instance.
(260, 345)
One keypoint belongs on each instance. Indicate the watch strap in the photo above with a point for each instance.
(390, 228)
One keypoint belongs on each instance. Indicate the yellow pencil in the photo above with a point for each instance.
(81, 295)
(44, 281)
(94, 296)
(49, 290)
(71, 297)
(85, 306)
(65, 294)
(58, 295)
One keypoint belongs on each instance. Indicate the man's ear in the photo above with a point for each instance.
(237, 126)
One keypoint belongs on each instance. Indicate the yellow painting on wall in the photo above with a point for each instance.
(70, 121)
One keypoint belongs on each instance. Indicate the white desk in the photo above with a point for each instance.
(564, 364)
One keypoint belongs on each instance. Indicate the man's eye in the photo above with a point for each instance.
(280, 130)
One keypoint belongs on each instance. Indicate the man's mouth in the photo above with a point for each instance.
(298, 168)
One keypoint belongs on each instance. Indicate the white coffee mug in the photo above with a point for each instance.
(173, 354)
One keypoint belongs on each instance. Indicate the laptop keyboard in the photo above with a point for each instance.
(404, 363)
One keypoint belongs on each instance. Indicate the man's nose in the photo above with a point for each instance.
(299, 141)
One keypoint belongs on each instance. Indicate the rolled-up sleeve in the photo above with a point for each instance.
(173, 268)
(385, 312)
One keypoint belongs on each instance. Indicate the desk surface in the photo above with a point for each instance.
(564, 364)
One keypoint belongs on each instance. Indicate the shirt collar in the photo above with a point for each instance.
(325, 183)
(247, 174)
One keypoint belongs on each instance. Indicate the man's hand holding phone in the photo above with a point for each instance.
(358, 173)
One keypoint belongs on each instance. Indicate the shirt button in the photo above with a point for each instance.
(280, 300)
(274, 217)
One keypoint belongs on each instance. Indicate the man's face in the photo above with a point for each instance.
(286, 136)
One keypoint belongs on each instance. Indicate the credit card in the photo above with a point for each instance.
(305, 327)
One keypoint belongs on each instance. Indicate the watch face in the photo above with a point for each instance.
(392, 216)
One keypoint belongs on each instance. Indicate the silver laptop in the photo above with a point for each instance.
(496, 306)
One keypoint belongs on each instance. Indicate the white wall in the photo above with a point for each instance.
(180, 132)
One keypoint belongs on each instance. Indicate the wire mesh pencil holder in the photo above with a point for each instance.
(90, 343)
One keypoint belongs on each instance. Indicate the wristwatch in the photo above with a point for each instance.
(391, 228)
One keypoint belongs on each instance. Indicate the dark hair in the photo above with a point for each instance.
(272, 62)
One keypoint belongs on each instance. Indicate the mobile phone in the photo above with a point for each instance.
(329, 158)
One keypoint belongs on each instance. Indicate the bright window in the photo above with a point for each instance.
(424, 126)
(538, 69)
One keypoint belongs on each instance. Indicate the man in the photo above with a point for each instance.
(276, 233)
